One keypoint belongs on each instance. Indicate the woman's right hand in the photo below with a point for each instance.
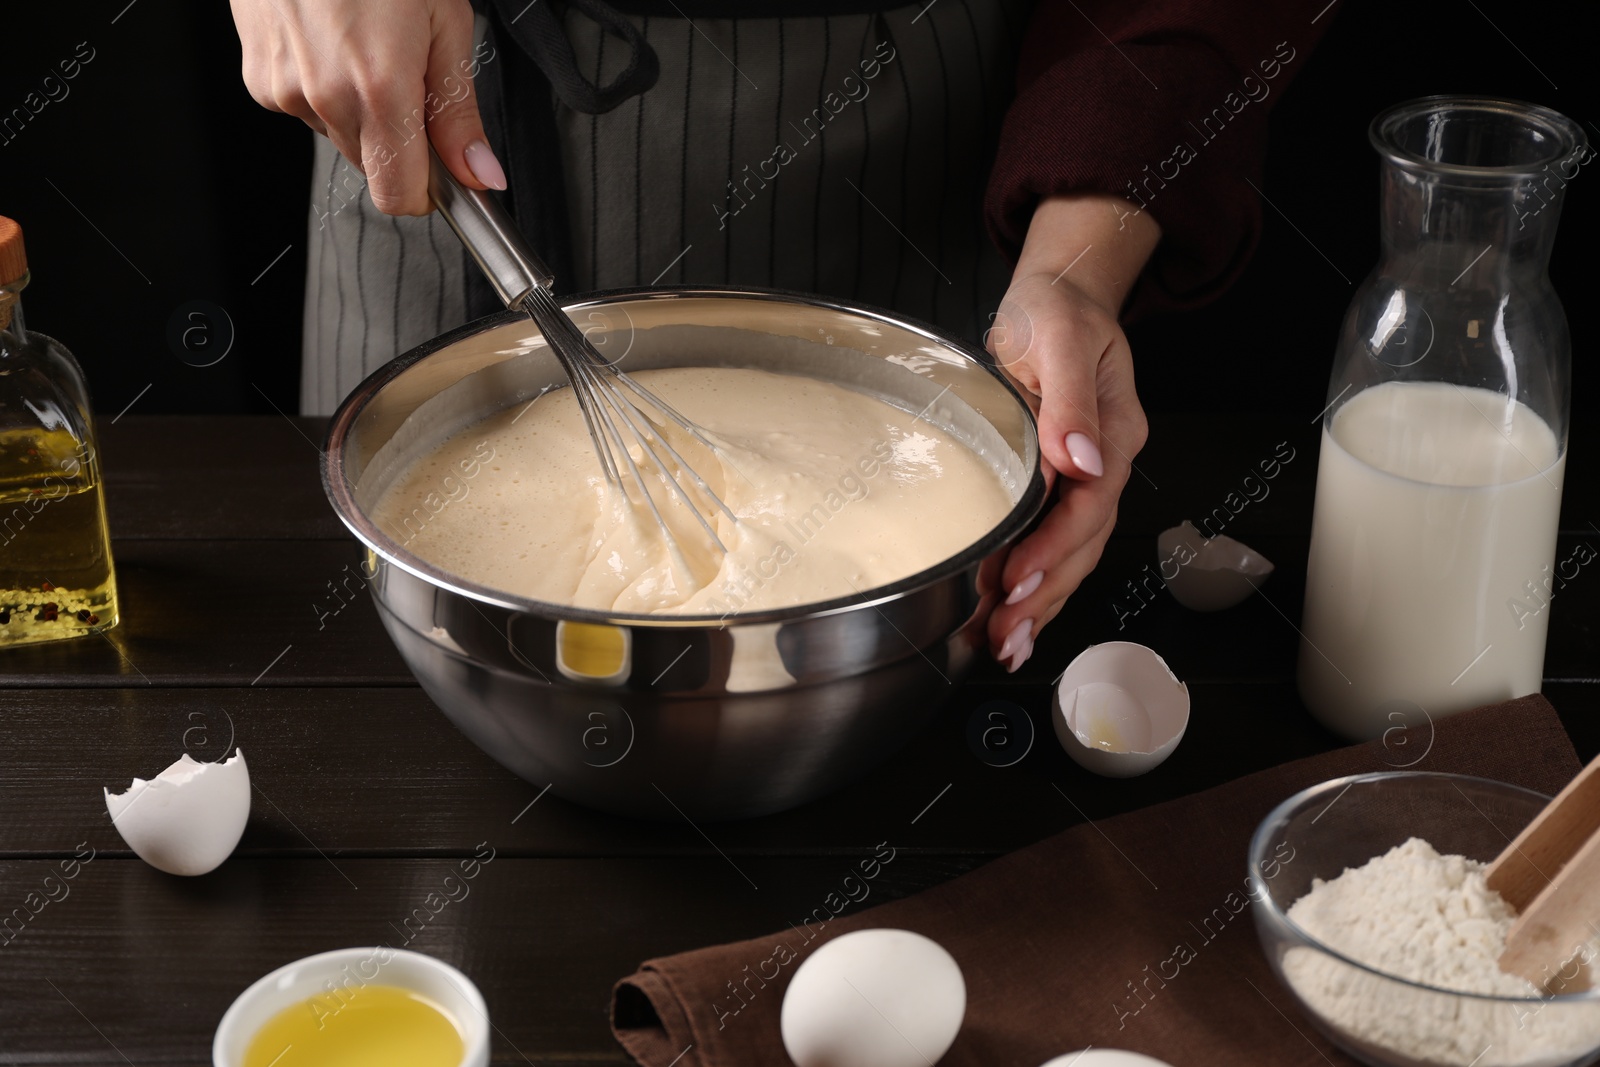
(380, 81)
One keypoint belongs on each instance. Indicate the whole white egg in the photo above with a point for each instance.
(874, 998)
(1105, 1057)
(187, 819)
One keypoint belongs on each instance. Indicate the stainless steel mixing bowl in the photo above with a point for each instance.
(708, 717)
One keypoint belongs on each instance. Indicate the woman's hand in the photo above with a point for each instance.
(1056, 336)
(379, 80)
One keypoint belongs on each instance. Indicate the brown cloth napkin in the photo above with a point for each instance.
(1049, 938)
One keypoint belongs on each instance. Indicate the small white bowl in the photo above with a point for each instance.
(1119, 711)
(296, 982)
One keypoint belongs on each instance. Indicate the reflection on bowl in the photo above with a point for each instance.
(1378, 1018)
(670, 716)
(592, 652)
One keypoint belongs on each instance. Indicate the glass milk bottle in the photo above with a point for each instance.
(56, 579)
(1444, 440)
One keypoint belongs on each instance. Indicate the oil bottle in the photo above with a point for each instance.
(56, 577)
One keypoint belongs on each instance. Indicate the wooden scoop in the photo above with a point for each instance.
(1551, 875)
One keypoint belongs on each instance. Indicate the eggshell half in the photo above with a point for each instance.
(1118, 710)
(187, 819)
(1219, 573)
(874, 998)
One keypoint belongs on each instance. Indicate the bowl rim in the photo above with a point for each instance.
(340, 493)
(1263, 899)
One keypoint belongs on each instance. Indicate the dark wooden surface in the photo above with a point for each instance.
(365, 795)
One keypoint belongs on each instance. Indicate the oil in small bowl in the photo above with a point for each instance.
(371, 1026)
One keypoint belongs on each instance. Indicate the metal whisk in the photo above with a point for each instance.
(615, 407)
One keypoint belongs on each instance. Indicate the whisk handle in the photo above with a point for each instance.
(490, 236)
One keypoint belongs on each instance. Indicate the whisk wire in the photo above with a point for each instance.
(581, 386)
(523, 281)
(594, 381)
(649, 438)
(610, 424)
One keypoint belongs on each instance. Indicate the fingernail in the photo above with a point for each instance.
(486, 168)
(1021, 657)
(1015, 639)
(1024, 589)
(1085, 454)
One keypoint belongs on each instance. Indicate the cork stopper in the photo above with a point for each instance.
(13, 257)
(13, 266)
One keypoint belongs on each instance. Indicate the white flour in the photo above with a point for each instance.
(1430, 919)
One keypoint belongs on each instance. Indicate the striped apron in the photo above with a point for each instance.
(841, 153)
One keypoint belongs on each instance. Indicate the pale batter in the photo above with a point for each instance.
(836, 492)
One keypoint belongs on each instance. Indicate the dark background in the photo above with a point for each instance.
(194, 190)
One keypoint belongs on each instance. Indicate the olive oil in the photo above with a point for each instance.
(370, 1026)
(56, 578)
(55, 561)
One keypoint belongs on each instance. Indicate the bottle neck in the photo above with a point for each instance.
(1503, 228)
(12, 331)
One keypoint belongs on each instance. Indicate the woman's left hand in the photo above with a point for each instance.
(1056, 336)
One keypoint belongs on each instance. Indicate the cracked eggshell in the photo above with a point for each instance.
(1105, 1057)
(1218, 574)
(1118, 709)
(873, 998)
(187, 819)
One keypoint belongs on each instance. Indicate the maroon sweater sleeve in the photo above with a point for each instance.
(1164, 104)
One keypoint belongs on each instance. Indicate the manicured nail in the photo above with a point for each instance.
(1021, 657)
(1015, 639)
(486, 168)
(1024, 589)
(1085, 454)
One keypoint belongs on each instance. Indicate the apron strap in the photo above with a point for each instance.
(537, 30)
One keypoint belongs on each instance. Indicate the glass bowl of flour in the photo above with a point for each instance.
(1372, 910)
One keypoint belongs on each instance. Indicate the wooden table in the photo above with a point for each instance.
(366, 797)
